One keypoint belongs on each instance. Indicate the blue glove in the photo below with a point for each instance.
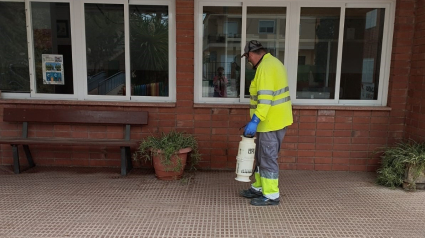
(251, 128)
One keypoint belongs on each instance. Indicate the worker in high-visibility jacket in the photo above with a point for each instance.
(271, 114)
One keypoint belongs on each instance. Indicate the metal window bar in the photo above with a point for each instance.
(111, 83)
(93, 81)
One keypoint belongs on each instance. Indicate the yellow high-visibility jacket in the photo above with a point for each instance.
(270, 99)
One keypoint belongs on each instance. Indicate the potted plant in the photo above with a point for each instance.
(403, 164)
(169, 152)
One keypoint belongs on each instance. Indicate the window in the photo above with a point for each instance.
(14, 71)
(105, 49)
(266, 27)
(335, 53)
(221, 52)
(224, 77)
(52, 48)
(361, 53)
(318, 46)
(149, 29)
(273, 41)
(117, 50)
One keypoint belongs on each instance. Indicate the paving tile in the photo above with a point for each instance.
(97, 202)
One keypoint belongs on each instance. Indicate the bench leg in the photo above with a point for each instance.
(29, 157)
(126, 164)
(15, 159)
(129, 162)
(123, 161)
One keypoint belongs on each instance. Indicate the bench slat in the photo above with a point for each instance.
(67, 142)
(75, 116)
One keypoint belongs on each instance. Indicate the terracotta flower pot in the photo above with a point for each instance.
(174, 170)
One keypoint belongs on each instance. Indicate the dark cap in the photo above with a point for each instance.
(252, 46)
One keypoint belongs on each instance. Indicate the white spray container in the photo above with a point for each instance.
(245, 159)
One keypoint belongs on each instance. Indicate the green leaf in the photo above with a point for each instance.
(167, 145)
(396, 159)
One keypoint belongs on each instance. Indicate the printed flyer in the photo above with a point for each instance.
(53, 69)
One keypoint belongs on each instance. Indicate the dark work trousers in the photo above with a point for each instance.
(267, 167)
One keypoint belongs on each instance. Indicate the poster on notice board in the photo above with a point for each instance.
(53, 69)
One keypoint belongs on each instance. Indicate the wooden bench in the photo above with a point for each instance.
(69, 117)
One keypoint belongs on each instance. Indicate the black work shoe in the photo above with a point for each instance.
(263, 201)
(251, 193)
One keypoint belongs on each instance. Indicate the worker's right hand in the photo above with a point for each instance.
(251, 128)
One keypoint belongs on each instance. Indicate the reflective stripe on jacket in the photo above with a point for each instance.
(270, 99)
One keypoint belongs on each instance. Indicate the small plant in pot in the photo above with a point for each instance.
(169, 152)
(403, 164)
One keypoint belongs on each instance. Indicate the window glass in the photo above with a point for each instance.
(361, 54)
(52, 47)
(267, 25)
(149, 50)
(317, 53)
(221, 51)
(14, 70)
(105, 49)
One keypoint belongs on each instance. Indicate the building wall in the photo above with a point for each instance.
(415, 119)
(321, 138)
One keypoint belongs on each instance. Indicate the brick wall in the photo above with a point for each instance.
(344, 140)
(415, 119)
(321, 138)
(400, 65)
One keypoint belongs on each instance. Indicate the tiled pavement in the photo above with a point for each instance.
(74, 202)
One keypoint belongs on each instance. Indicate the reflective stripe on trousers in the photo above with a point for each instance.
(266, 156)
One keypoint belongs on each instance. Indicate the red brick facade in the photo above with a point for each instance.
(321, 138)
(415, 119)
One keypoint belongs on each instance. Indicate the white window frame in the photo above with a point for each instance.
(172, 52)
(83, 86)
(198, 34)
(78, 42)
(291, 47)
(387, 42)
(295, 37)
